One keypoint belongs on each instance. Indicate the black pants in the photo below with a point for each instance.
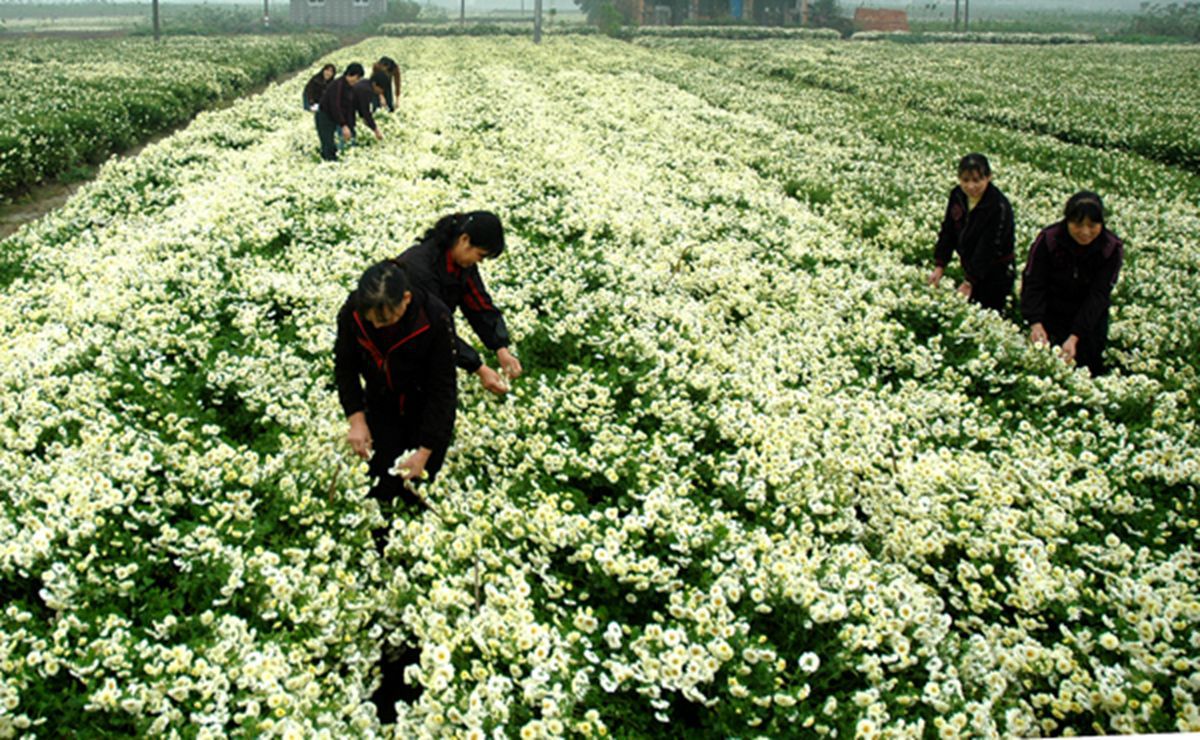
(995, 288)
(1089, 352)
(327, 132)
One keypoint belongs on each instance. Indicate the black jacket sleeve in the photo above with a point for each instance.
(362, 104)
(482, 314)
(1099, 293)
(347, 364)
(993, 240)
(440, 381)
(944, 249)
(312, 91)
(1034, 281)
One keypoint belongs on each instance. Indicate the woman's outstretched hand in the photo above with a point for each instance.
(359, 435)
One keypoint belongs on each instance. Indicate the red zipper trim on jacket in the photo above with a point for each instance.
(482, 304)
(365, 341)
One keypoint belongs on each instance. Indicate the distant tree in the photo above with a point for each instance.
(827, 14)
(1169, 19)
(609, 15)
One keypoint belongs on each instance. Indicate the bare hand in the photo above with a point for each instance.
(346, 132)
(359, 435)
(378, 136)
(1038, 335)
(965, 289)
(935, 277)
(1069, 348)
(509, 363)
(413, 468)
(491, 380)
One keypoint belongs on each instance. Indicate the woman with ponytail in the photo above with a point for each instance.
(444, 263)
(399, 341)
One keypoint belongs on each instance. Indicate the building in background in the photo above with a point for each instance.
(336, 12)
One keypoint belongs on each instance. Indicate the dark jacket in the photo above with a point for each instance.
(1067, 284)
(315, 89)
(433, 270)
(364, 93)
(337, 102)
(408, 368)
(983, 237)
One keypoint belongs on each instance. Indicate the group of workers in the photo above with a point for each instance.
(396, 331)
(338, 102)
(1069, 275)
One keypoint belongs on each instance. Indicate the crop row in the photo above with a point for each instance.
(67, 104)
(757, 478)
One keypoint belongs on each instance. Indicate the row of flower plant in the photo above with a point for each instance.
(758, 478)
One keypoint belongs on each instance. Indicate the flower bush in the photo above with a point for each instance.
(758, 478)
(72, 103)
(974, 37)
(1114, 87)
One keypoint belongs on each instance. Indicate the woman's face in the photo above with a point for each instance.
(388, 315)
(327, 73)
(973, 184)
(1084, 232)
(465, 254)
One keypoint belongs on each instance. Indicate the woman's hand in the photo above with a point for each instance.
(1038, 335)
(965, 289)
(491, 380)
(346, 132)
(509, 363)
(359, 435)
(1069, 349)
(414, 467)
(935, 277)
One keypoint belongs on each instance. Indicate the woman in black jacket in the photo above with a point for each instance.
(400, 341)
(444, 263)
(1068, 280)
(316, 87)
(979, 226)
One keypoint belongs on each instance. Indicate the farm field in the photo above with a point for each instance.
(758, 478)
(71, 103)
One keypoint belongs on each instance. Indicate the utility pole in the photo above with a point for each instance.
(462, 12)
(966, 15)
(955, 15)
(154, 5)
(266, 14)
(537, 21)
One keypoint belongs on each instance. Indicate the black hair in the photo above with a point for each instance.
(1084, 205)
(380, 80)
(387, 63)
(382, 286)
(483, 228)
(331, 67)
(974, 162)
(354, 69)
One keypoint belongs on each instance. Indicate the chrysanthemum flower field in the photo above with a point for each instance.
(758, 480)
(68, 103)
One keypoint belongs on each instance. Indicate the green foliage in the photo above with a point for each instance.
(48, 133)
(1180, 20)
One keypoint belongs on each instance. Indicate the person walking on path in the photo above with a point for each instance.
(1066, 288)
(978, 225)
(445, 262)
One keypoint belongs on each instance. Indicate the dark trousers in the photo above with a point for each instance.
(1089, 352)
(327, 132)
(995, 288)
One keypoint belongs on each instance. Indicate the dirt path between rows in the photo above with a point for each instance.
(45, 197)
